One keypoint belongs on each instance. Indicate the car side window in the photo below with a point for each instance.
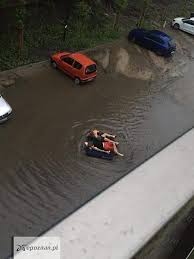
(150, 36)
(155, 38)
(77, 65)
(68, 60)
(189, 22)
(160, 40)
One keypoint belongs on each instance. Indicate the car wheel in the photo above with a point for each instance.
(54, 64)
(176, 26)
(131, 38)
(77, 81)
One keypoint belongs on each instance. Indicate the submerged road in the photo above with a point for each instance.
(44, 174)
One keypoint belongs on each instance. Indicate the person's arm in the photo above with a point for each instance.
(109, 140)
(106, 135)
(101, 150)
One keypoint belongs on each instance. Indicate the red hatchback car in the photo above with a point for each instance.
(76, 65)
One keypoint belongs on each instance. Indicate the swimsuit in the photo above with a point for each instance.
(108, 146)
(98, 142)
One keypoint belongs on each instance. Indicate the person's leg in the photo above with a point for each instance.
(106, 135)
(110, 140)
(116, 150)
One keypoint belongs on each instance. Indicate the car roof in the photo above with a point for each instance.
(83, 59)
(160, 33)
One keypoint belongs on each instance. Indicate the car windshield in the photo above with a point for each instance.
(91, 69)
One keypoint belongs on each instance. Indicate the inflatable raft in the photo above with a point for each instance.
(98, 154)
(95, 153)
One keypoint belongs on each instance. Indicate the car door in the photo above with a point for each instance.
(192, 27)
(149, 41)
(66, 64)
(77, 69)
(188, 26)
(139, 37)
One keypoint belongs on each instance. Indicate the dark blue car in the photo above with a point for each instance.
(157, 41)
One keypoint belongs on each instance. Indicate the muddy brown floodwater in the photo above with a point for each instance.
(44, 174)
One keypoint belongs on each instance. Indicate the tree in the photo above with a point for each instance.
(185, 7)
(77, 11)
(109, 4)
(98, 18)
(164, 13)
(144, 9)
(119, 6)
(80, 15)
(3, 3)
(81, 12)
(20, 19)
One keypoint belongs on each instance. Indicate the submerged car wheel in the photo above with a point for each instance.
(176, 26)
(77, 81)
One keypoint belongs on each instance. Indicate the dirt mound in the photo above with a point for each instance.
(133, 61)
(129, 60)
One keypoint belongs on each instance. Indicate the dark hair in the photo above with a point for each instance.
(90, 136)
(90, 144)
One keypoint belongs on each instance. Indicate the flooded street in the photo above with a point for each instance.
(44, 172)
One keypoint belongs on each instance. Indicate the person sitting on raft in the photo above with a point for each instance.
(106, 136)
(103, 143)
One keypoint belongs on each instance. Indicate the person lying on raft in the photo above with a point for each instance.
(103, 146)
(103, 136)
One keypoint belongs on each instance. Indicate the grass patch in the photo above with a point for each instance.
(41, 41)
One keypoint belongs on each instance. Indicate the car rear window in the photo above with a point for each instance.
(156, 38)
(91, 69)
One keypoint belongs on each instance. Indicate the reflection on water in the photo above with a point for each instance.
(44, 172)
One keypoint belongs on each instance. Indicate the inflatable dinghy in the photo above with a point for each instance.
(95, 153)
(98, 154)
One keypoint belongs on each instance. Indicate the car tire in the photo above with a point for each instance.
(176, 26)
(77, 81)
(54, 64)
(131, 38)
